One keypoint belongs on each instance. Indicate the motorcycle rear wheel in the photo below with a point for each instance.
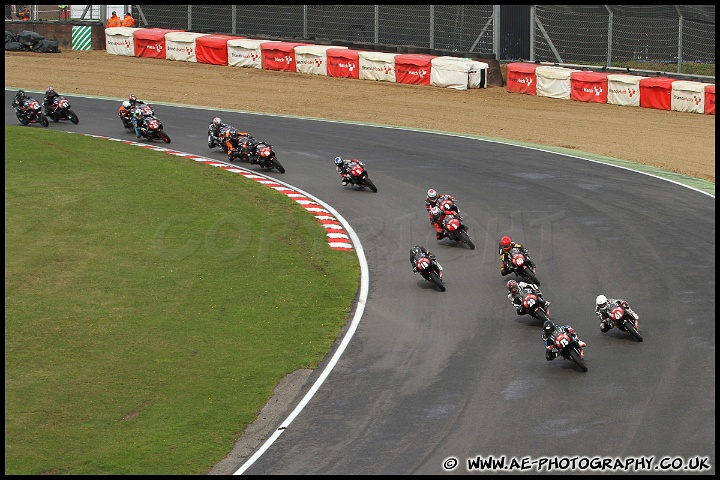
(633, 331)
(531, 276)
(578, 360)
(43, 120)
(435, 278)
(541, 315)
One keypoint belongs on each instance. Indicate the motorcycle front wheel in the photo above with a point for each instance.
(578, 360)
(369, 183)
(435, 278)
(279, 167)
(466, 239)
(163, 136)
(72, 117)
(630, 328)
(22, 119)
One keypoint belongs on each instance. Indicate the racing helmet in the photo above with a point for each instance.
(127, 104)
(132, 98)
(435, 211)
(338, 161)
(505, 243)
(416, 250)
(601, 301)
(548, 328)
(432, 195)
(50, 91)
(217, 122)
(512, 287)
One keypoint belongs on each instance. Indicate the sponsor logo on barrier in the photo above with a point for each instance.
(187, 50)
(158, 47)
(691, 99)
(349, 66)
(630, 92)
(523, 80)
(287, 59)
(597, 91)
(121, 43)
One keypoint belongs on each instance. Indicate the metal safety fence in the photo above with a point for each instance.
(605, 35)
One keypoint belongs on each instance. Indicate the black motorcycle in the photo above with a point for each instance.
(570, 349)
(262, 154)
(431, 270)
(60, 110)
(30, 111)
(152, 129)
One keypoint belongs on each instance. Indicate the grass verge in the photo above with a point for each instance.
(151, 305)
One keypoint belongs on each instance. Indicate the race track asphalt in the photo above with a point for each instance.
(431, 376)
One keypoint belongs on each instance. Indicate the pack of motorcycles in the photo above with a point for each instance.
(262, 154)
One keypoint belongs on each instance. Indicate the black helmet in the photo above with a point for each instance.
(548, 328)
(21, 93)
(416, 250)
(50, 91)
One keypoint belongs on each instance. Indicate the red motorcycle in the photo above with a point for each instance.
(30, 112)
(60, 110)
(625, 320)
(521, 266)
(455, 229)
(359, 177)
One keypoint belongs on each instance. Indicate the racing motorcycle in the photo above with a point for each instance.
(217, 140)
(152, 129)
(262, 154)
(624, 319)
(30, 112)
(521, 266)
(431, 270)
(535, 308)
(570, 349)
(125, 113)
(359, 177)
(455, 229)
(60, 110)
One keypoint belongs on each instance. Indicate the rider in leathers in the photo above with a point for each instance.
(550, 331)
(518, 290)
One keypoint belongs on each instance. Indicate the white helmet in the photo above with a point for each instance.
(601, 301)
(127, 104)
(432, 195)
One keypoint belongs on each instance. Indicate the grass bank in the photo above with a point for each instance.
(151, 305)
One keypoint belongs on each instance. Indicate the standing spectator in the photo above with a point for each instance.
(128, 21)
(24, 14)
(64, 13)
(114, 21)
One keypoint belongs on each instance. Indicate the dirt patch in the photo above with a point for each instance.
(675, 141)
